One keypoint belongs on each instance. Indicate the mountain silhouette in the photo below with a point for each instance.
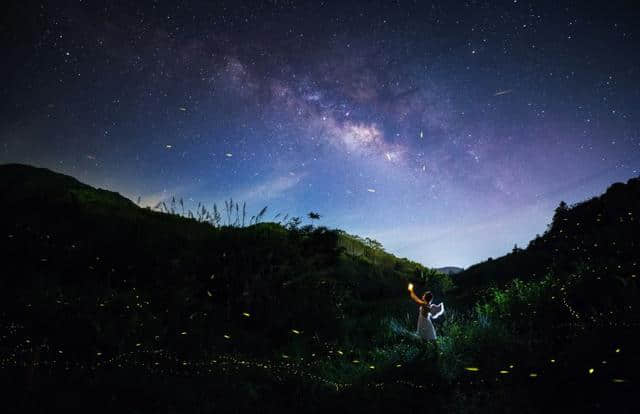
(597, 239)
(65, 235)
(450, 270)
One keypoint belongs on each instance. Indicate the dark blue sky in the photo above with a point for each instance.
(447, 131)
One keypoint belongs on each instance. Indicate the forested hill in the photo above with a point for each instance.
(62, 238)
(598, 239)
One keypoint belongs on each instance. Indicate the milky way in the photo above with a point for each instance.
(447, 131)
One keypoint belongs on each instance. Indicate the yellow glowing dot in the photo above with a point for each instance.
(410, 287)
(591, 370)
(398, 365)
(98, 353)
(285, 356)
(183, 333)
(340, 352)
(355, 361)
(295, 331)
(227, 337)
(533, 375)
(472, 369)
(209, 293)
(245, 314)
(372, 367)
(617, 350)
(553, 361)
(618, 380)
(504, 371)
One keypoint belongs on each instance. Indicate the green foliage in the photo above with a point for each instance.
(196, 275)
(89, 277)
(595, 239)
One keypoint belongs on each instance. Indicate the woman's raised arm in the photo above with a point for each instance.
(415, 298)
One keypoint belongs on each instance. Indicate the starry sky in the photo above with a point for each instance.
(448, 131)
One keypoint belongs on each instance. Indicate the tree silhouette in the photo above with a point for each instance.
(313, 216)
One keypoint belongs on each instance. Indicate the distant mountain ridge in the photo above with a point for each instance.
(450, 270)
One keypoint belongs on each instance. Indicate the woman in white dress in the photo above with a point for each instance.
(428, 311)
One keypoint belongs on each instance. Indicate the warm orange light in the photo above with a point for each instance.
(410, 287)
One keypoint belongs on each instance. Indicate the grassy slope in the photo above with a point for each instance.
(66, 238)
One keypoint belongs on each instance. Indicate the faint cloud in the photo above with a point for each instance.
(269, 189)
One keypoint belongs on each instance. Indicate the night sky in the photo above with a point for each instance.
(447, 131)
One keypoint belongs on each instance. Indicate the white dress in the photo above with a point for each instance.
(425, 326)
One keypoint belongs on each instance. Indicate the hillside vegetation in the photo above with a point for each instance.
(94, 252)
(110, 307)
(594, 243)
